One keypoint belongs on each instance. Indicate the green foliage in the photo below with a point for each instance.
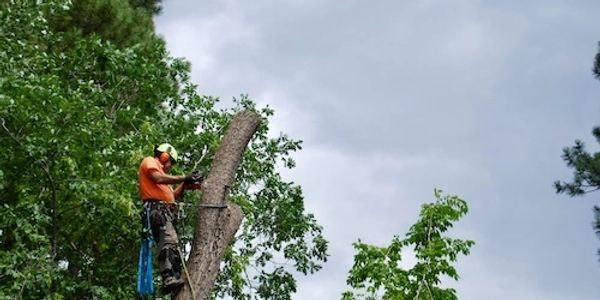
(377, 273)
(78, 112)
(123, 23)
(585, 165)
(586, 175)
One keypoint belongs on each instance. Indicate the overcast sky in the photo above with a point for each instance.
(395, 98)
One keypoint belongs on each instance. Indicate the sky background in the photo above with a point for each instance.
(395, 98)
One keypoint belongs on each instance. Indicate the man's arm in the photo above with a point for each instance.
(178, 192)
(170, 179)
(166, 179)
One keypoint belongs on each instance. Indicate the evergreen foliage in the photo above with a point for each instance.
(80, 106)
(123, 23)
(585, 165)
(596, 68)
(377, 273)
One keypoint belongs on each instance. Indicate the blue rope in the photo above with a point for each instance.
(145, 280)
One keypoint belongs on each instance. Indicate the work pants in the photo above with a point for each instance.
(162, 224)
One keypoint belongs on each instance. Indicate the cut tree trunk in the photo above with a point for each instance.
(216, 227)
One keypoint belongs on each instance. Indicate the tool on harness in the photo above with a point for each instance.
(145, 279)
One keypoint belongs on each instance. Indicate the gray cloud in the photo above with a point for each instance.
(394, 98)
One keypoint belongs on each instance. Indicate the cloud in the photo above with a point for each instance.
(395, 98)
(211, 36)
(364, 197)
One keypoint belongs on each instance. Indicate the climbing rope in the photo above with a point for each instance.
(181, 215)
(187, 274)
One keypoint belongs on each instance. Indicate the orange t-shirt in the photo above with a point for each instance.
(150, 189)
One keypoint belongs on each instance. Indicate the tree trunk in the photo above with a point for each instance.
(216, 227)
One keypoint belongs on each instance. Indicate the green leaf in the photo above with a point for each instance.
(377, 270)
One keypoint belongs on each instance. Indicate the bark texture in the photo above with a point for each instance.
(216, 227)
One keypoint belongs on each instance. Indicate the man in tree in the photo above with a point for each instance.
(159, 207)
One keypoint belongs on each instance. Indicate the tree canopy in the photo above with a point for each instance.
(82, 101)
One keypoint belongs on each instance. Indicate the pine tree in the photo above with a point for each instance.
(585, 165)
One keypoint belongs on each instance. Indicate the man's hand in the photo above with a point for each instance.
(193, 178)
(193, 181)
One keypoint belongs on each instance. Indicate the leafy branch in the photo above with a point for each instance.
(376, 270)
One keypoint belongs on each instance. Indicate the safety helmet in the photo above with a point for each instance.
(168, 149)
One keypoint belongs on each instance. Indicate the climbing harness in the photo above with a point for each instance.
(145, 280)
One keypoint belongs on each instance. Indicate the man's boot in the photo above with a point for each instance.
(171, 283)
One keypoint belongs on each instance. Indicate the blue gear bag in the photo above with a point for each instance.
(145, 280)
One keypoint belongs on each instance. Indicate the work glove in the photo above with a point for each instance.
(193, 178)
